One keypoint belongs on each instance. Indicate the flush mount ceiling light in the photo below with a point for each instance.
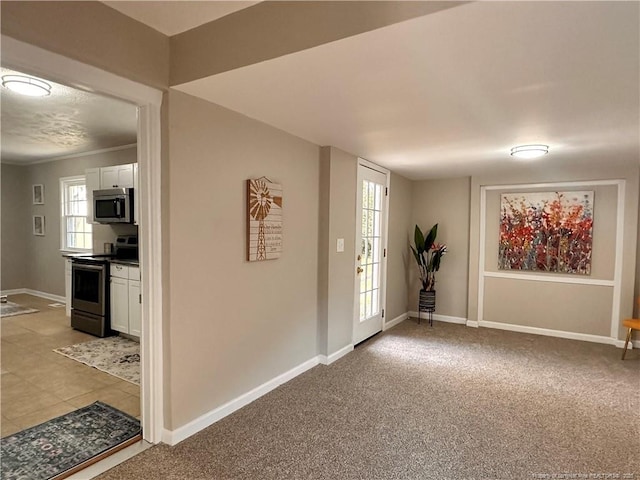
(529, 151)
(26, 85)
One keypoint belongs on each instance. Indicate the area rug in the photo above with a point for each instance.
(117, 356)
(10, 309)
(51, 448)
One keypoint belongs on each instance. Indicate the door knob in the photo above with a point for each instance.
(359, 270)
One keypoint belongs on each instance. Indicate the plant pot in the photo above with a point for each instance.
(427, 300)
(427, 304)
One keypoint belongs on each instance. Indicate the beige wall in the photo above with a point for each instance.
(545, 305)
(323, 250)
(43, 264)
(342, 224)
(581, 315)
(445, 202)
(15, 226)
(604, 230)
(229, 325)
(399, 257)
(92, 33)
(337, 270)
(267, 30)
(235, 324)
(552, 306)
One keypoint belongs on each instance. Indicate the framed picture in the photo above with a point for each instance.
(264, 219)
(38, 225)
(546, 231)
(38, 194)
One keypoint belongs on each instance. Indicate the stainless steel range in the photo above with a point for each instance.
(90, 287)
(90, 295)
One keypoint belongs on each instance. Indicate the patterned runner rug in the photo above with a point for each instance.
(56, 446)
(10, 309)
(117, 356)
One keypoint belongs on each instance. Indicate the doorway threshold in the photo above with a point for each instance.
(111, 461)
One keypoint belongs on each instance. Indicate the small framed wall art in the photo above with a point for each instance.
(264, 219)
(38, 194)
(38, 225)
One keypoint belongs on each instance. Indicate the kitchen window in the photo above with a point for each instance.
(76, 233)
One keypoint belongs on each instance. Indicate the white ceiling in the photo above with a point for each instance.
(67, 122)
(442, 95)
(449, 93)
(173, 17)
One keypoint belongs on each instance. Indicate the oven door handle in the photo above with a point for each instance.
(88, 267)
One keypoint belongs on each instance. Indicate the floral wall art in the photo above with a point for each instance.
(546, 231)
(264, 219)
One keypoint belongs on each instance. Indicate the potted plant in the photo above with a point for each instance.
(428, 255)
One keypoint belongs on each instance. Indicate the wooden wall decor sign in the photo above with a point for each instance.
(264, 219)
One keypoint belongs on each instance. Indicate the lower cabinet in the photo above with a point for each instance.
(125, 299)
(134, 308)
(67, 285)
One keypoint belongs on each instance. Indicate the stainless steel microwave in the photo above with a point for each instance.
(113, 206)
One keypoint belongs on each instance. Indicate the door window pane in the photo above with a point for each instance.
(371, 249)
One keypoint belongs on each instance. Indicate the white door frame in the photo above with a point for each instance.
(37, 61)
(385, 243)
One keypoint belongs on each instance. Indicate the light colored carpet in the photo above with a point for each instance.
(420, 402)
(118, 356)
(10, 309)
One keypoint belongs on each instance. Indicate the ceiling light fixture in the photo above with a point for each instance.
(529, 151)
(26, 85)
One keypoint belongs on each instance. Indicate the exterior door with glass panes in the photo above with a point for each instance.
(371, 240)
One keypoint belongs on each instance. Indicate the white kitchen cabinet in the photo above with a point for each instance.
(118, 176)
(92, 181)
(135, 321)
(120, 304)
(125, 299)
(67, 286)
(136, 195)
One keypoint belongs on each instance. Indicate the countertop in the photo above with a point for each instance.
(84, 254)
(109, 257)
(125, 261)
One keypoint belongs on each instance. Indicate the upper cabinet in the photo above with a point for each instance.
(92, 178)
(118, 176)
(136, 195)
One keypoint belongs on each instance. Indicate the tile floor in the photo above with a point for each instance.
(38, 384)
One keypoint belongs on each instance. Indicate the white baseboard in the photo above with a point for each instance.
(620, 344)
(472, 323)
(15, 291)
(48, 296)
(395, 321)
(35, 293)
(441, 318)
(632, 344)
(585, 337)
(329, 359)
(173, 437)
